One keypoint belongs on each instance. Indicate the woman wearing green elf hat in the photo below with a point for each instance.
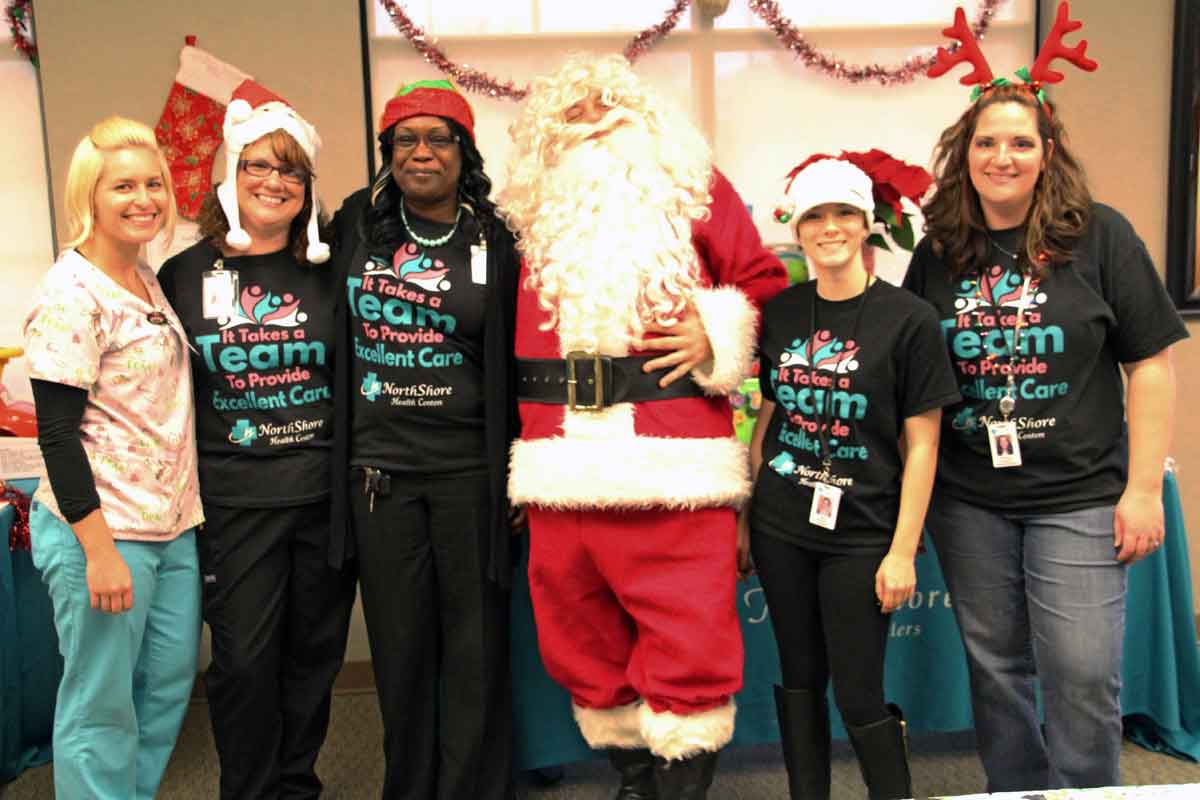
(425, 415)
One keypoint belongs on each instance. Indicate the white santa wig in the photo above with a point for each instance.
(599, 208)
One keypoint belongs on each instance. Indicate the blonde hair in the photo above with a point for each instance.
(87, 163)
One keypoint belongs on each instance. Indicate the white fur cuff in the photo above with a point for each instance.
(629, 472)
(675, 736)
(203, 72)
(610, 727)
(729, 320)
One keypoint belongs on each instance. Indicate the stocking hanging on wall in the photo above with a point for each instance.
(189, 130)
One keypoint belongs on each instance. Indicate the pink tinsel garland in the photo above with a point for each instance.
(475, 80)
(18, 534)
(791, 38)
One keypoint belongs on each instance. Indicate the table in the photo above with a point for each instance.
(30, 665)
(1188, 791)
(926, 670)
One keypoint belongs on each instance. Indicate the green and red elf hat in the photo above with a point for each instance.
(428, 98)
(968, 52)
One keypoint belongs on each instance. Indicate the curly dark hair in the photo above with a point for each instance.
(381, 226)
(1061, 206)
(214, 225)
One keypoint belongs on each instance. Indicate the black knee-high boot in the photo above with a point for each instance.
(804, 727)
(637, 773)
(882, 752)
(685, 779)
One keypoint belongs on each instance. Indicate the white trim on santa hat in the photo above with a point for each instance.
(245, 124)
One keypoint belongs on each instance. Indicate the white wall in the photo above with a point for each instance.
(26, 249)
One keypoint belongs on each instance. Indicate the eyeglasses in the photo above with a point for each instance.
(287, 172)
(434, 141)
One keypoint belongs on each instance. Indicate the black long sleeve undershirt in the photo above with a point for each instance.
(59, 413)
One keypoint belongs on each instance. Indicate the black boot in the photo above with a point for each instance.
(804, 728)
(685, 779)
(637, 773)
(882, 750)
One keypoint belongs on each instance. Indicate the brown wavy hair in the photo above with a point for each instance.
(1061, 206)
(214, 225)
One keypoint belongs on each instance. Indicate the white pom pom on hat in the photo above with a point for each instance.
(252, 113)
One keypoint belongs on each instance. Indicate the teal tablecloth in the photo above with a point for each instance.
(926, 668)
(30, 666)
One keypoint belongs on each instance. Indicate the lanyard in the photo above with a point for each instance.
(1008, 402)
(826, 411)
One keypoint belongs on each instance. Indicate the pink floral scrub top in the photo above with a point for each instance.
(87, 331)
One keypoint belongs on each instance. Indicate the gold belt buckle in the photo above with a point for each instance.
(573, 382)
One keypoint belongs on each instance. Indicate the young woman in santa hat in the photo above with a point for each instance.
(257, 301)
(112, 530)
(849, 366)
(426, 414)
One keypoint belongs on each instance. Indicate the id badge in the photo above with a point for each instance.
(1004, 444)
(219, 292)
(479, 264)
(825, 503)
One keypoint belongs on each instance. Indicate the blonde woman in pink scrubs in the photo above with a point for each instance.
(113, 527)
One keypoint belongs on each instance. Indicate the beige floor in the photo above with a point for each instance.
(352, 767)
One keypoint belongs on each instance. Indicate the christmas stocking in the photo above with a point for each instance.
(189, 131)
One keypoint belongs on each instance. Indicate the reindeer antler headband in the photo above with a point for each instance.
(968, 52)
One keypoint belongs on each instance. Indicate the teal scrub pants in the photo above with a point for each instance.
(126, 677)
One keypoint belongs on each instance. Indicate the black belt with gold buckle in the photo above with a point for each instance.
(591, 382)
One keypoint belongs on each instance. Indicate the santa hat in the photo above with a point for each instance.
(253, 113)
(829, 180)
(428, 98)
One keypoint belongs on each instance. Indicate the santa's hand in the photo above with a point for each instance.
(687, 342)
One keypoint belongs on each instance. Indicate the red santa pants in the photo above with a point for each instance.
(636, 604)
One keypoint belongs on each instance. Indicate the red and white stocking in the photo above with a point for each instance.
(189, 130)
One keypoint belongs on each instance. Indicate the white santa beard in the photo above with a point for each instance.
(609, 244)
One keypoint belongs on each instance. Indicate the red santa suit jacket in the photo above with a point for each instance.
(679, 453)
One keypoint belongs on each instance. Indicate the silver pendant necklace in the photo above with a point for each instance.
(438, 242)
(1006, 252)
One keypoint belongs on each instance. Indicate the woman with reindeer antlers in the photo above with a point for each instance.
(1045, 297)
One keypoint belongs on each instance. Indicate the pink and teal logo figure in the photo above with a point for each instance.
(823, 351)
(411, 265)
(996, 288)
(257, 306)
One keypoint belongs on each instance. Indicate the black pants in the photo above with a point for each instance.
(827, 622)
(279, 617)
(439, 638)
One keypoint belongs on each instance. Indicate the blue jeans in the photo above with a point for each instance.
(127, 677)
(1038, 596)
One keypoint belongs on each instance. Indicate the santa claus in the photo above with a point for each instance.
(640, 288)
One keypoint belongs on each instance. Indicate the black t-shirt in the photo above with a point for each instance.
(264, 407)
(879, 359)
(1083, 319)
(416, 328)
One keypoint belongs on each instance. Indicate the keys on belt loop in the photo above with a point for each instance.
(375, 481)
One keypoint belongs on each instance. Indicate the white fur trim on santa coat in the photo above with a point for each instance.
(676, 736)
(729, 320)
(201, 71)
(599, 464)
(610, 727)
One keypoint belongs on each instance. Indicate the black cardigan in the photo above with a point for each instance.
(501, 423)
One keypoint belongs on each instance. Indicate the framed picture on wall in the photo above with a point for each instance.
(1183, 245)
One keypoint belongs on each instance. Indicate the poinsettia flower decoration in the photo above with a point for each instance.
(892, 180)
